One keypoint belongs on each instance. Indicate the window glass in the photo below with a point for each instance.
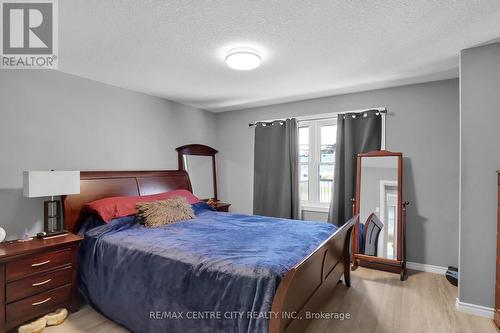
(328, 140)
(304, 182)
(303, 144)
(325, 182)
(317, 161)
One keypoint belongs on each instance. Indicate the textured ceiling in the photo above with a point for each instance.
(176, 49)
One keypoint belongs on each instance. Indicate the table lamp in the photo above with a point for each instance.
(51, 183)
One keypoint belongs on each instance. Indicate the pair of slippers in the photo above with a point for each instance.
(50, 319)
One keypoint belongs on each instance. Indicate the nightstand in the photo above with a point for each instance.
(222, 207)
(37, 277)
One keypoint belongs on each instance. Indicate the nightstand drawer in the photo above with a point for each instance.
(37, 305)
(37, 263)
(38, 283)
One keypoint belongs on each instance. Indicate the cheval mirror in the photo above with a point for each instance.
(199, 161)
(379, 236)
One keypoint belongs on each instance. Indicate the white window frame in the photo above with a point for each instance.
(313, 204)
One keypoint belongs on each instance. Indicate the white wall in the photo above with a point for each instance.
(480, 137)
(52, 120)
(422, 123)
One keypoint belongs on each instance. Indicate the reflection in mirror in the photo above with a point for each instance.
(200, 173)
(379, 206)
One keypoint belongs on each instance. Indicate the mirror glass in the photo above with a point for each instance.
(378, 207)
(200, 173)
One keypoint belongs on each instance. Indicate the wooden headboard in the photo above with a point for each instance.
(96, 185)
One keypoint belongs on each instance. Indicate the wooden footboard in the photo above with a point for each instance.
(311, 283)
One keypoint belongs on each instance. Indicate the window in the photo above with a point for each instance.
(317, 143)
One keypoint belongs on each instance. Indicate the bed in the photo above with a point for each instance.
(219, 272)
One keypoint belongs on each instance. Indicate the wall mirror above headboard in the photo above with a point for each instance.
(380, 233)
(199, 161)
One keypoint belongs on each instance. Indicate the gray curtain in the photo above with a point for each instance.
(276, 179)
(356, 133)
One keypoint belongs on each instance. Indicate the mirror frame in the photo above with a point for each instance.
(199, 150)
(397, 265)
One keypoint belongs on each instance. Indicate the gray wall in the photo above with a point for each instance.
(52, 120)
(422, 123)
(480, 135)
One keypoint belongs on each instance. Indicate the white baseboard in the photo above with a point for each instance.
(474, 309)
(426, 268)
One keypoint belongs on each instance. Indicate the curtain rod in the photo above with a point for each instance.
(321, 116)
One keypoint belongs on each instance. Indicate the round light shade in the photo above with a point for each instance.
(243, 59)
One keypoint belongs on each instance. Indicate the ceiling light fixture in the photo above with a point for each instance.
(243, 58)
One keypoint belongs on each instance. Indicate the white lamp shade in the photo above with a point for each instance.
(50, 183)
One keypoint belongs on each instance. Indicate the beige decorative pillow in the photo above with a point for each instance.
(157, 213)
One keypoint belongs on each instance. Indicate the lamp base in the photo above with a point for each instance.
(42, 235)
(53, 221)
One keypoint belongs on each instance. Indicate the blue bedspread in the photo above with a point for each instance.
(218, 265)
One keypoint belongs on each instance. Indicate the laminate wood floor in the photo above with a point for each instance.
(377, 302)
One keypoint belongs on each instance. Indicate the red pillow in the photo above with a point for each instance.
(115, 207)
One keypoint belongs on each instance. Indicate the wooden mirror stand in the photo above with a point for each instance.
(380, 242)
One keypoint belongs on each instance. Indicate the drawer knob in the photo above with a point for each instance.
(41, 302)
(40, 263)
(41, 283)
